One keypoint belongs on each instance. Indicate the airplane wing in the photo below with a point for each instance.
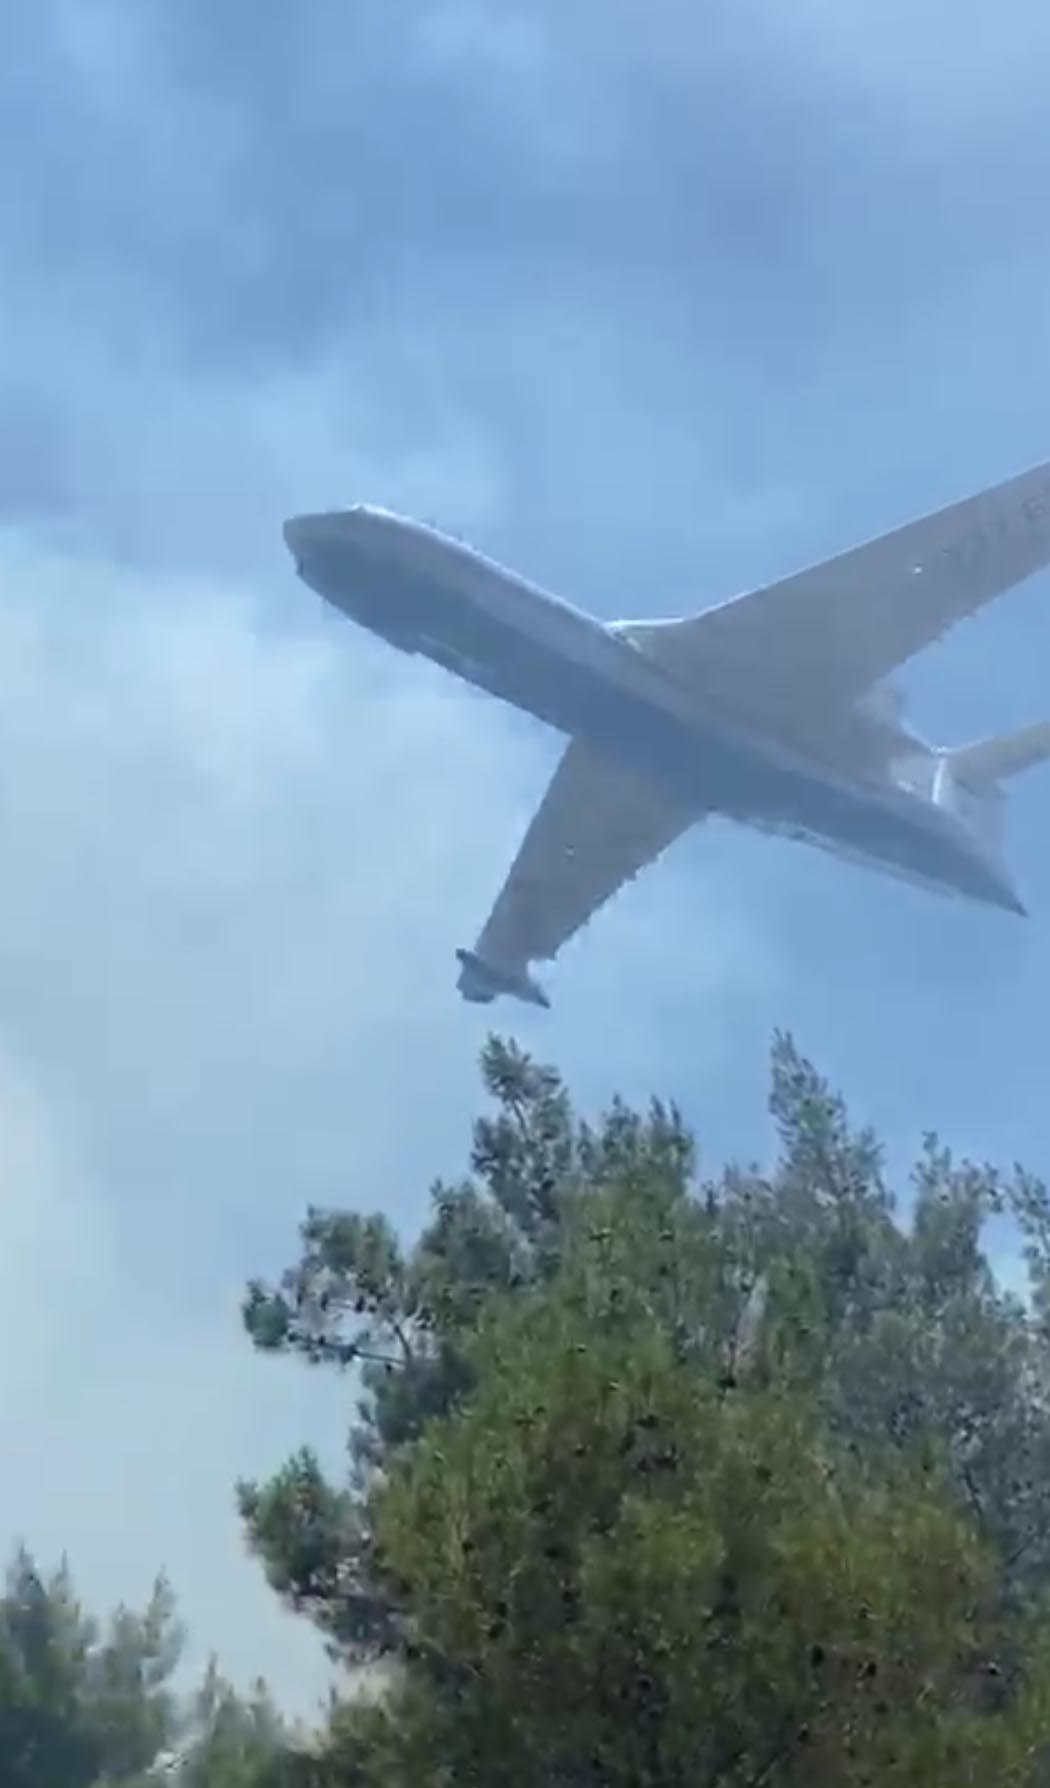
(850, 621)
(597, 826)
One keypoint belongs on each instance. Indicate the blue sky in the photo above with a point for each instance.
(654, 302)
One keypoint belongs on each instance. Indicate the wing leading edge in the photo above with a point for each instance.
(597, 827)
(844, 624)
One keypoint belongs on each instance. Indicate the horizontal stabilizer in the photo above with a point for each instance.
(990, 760)
(481, 981)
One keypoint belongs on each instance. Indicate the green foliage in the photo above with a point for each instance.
(740, 1481)
(312, 1537)
(79, 1707)
(87, 1706)
(615, 1568)
(237, 1743)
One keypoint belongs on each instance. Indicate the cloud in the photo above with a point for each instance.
(959, 64)
(50, 1242)
(212, 936)
(121, 1433)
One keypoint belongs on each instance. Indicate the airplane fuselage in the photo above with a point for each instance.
(426, 593)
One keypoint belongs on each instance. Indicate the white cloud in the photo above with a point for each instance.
(226, 870)
(525, 66)
(121, 1441)
(950, 60)
(51, 1244)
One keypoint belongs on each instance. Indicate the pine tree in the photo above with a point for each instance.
(658, 1478)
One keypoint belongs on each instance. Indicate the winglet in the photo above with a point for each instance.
(481, 981)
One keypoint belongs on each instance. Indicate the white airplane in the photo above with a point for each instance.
(770, 709)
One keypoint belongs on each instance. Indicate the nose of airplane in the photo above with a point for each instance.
(302, 531)
(294, 532)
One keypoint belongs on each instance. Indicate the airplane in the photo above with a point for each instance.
(773, 709)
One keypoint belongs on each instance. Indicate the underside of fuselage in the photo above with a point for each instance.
(504, 637)
(986, 887)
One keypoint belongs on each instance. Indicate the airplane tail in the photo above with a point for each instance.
(971, 778)
(991, 760)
